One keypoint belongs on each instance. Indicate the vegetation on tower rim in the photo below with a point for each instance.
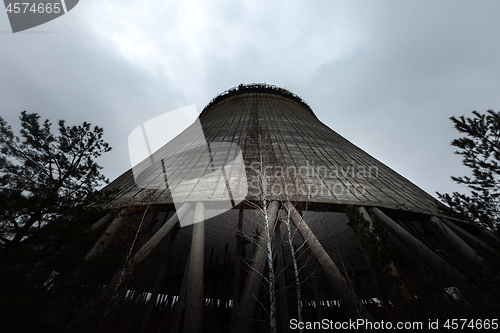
(256, 88)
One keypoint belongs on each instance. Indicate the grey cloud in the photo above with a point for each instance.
(386, 75)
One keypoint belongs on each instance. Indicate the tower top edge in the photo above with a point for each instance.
(256, 88)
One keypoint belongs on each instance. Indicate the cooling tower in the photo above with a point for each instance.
(290, 223)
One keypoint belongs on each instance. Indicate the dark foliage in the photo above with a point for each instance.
(44, 176)
(480, 149)
(48, 200)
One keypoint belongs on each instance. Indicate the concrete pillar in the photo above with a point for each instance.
(102, 221)
(341, 286)
(462, 247)
(159, 279)
(490, 237)
(107, 235)
(283, 302)
(159, 235)
(116, 281)
(319, 308)
(146, 249)
(193, 318)
(479, 244)
(177, 308)
(397, 291)
(237, 265)
(471, 290)
(417, 246)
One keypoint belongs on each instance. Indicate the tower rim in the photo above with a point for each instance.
(256, 88)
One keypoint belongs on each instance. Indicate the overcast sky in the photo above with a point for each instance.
(386, 75)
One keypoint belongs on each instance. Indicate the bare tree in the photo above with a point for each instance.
(264, 189)
(268, 213)
(293, 181)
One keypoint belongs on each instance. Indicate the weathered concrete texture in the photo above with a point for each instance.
(314, 163)
(216, 275)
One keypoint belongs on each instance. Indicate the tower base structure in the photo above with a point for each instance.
(327, 235)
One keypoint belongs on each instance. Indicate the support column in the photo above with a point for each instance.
(102, 221)
(490, 236)
(129, 267)
(146, 249)
(438, 263)
(254, 278)
(319, 307)
(341, 286)
(193, 318)
(177, 308)
(237, 265)
(107, 235)
(159, 279)
(117, 279)
(159, 235)
(472, 291)
(282, 291)
(477, 242)
(396, 291)
(462, 247)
